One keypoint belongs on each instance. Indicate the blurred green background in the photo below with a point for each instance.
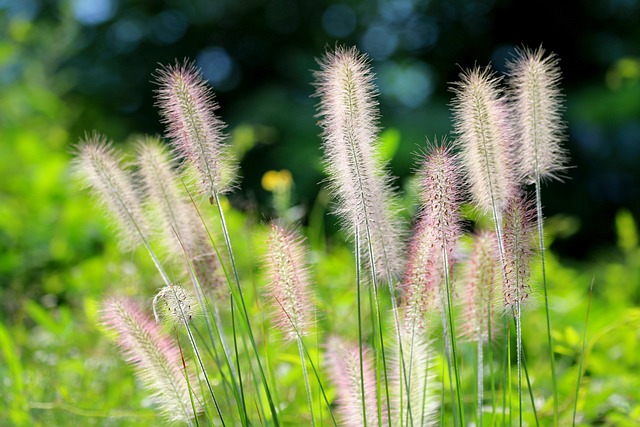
(69, 67)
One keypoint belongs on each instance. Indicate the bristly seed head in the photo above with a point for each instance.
(519, 240)
(288, 281)
(435, 236)
(187, 108)
(537, 101)
(484, 135)
(349, 121)
(343, 362)
(157, 360)
(101, 168)
(175, 304)
(480, 287)
(175, 218)
(414, 387)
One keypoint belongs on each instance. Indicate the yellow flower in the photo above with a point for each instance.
(277, 181)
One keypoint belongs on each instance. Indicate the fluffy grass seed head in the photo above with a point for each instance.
(101, 169)
(481, 281)
(288, 281)
(349, 119)
(485, 138)
(436, 233)
(343, 362)
(519, 240)
(414, 386)
(155, 357)
(173, 216)
(175, 219)
(175, 304)
(187, 108)
(537, 102)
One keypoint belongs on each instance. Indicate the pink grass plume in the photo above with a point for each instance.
(349, 119)
(537, 102)
(156, 358)
(288, 282)
(187, 108)
(485, 138)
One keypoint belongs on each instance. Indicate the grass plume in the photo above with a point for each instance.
(155, 356)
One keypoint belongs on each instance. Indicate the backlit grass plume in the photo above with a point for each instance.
(415, 389)
(187, 108)
(484, 135)
(349, 121)
(537, 102)
(519, 241)
(175, 304)
(437, 230)
(101, 168)
(175, 220)
(155, 357)
(357, 402)
(480, 287)
(535, 93)
(174, 217)
(288, 282)
(479, 316)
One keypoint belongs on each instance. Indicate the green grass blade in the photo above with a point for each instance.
(584, 341)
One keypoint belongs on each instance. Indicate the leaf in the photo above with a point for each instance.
(389, 141)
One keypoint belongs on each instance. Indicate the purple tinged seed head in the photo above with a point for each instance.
(349, 119)
(435, 235)
(187, 108)
(537, 102)
(519, 240)
(343, 362)
(484, 136)
(288, 281)
(101, 169)
(481, 279)
(174, 217)
(155, 357)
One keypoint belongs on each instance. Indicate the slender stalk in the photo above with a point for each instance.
(584, 341)
(204, 373)
(378, 354)
(480, 377)
(205, 307)
(449, 357)
(186, 377)
(315, 371)
(533, 402)
(519, 358)
(378, 319)
(358, 296)
(192, 341)
(452, 334)
(491, 370)
(552, 361)
(243, 307)
(237, 372)
(306, 380)
(509, 386)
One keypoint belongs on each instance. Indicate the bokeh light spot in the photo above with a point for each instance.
(339, 20)
(168, 27)
(379, 42)
(409, 84)
(217, 67)
(93, 12)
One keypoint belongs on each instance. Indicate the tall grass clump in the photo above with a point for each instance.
(537, 101)
(365, 201)
(424, 320)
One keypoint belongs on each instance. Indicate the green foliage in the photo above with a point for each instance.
(57, 261)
